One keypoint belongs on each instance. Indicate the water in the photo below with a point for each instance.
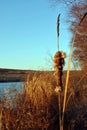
(7, 88)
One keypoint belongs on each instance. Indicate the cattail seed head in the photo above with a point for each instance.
(58, 67)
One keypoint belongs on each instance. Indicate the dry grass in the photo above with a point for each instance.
(36, 108)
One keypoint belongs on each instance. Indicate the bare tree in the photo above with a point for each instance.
(68, 2)
(79, 24)
(78, 19)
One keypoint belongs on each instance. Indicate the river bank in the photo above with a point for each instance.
(13, 75)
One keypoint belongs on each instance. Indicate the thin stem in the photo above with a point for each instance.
(67, 80)
(58, 43)
(59, 99)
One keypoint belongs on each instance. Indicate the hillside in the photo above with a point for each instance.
(13, 75)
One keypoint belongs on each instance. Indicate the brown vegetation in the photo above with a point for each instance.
(36, 107)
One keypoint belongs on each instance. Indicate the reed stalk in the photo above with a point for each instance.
(68, 71)
(67, 80)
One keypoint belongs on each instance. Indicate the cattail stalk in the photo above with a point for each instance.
(58, 67)
(60, 117)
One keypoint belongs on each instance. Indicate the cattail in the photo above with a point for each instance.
(58, 67)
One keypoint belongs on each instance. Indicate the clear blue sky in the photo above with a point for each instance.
(28, 33)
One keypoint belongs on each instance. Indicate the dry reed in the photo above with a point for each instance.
(36, 108)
